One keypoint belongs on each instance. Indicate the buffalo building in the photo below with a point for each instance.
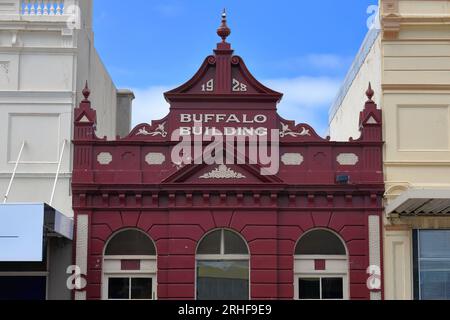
(148, 227)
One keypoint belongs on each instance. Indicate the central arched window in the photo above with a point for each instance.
(223, 267)
(129, 267)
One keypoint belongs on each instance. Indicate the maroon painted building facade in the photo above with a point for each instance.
(132, 184)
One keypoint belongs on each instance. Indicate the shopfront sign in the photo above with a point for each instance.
(21, 232)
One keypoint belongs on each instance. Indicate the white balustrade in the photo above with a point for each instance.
(42, 7)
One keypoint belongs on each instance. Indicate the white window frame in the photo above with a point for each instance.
(130, 276)
(321, 277)
(304, 269)
(110, 270)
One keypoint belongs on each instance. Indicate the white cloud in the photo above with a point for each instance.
(150, 104)
(326, 61)
(316, 61)
(306, 91)
(306, 100)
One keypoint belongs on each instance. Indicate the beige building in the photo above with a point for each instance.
(407, 59)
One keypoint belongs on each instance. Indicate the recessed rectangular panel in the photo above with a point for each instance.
(40, 72)
(41, 135)
(423, 128)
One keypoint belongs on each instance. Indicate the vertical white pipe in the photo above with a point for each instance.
(14, 173)
(57, 172)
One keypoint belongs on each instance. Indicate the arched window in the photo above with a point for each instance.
(130, 243)
(320, 242)
(129, 268)
(321, 267)
(223, 267)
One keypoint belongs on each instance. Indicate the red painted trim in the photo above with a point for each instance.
(130, 265)
(320, 265)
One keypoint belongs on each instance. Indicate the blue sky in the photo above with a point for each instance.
(301, 48)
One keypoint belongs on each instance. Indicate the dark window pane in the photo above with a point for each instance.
(130, 243)
(119, 288)
(332, 288)
(309, 289)
(234, 244)
(141, 288)
(320, 242)
(211, 243)
(222, 280)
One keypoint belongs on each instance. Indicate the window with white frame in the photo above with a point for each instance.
(322, 288)
(129, 268)
(432, 264)
(223, 267)
(321, 267)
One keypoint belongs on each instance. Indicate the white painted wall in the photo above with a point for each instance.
(344, 120)
(43, 68)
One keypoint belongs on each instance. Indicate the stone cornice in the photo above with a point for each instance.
(37, 175)
(416, 87)
(392, 19)
(37, 97)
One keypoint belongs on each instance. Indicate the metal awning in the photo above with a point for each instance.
(421, 202)
(23, 227)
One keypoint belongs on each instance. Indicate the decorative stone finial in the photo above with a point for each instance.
(224, 31)
(86, 92)
(370, 93)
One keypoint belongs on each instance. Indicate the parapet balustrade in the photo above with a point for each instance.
(43, 7)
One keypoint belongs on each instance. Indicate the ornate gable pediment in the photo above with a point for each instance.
(209, 82)
(223, 76)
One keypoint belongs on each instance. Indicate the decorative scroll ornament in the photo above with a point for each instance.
(223, 172)
(286, 131)
(160, 131)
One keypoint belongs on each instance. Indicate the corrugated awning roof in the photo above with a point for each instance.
(421, 202)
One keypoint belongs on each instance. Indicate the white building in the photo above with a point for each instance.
(46, 55)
